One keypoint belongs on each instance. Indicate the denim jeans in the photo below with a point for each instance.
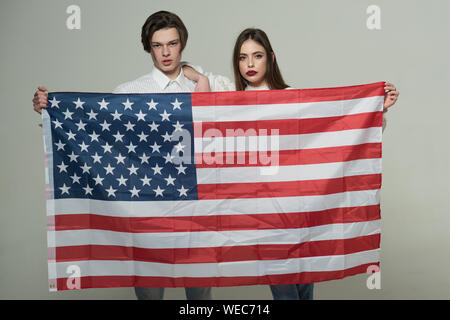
(292, 291)
(144, 293)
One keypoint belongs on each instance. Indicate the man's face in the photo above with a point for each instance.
(166, 51)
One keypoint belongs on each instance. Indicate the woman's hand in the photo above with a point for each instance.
(390, 96)
(202, 82)
(40, 99)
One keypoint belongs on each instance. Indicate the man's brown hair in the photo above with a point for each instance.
(162, 20)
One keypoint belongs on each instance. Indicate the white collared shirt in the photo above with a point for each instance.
(158, 82)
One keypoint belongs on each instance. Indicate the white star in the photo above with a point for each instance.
(146, 181)
(118, 136)
(157, 169)
(81, 125)
(96, 158)
(111, 191)
(142, 136)
(94, 136)
(85, 168)
(116, 115)
(128, 104)
(178, 126)
(144, 158)
(159, 191)
(122, 180)
(62, 167)
(103, 104)
(60, 145)
(179, 147)
(154, 126)
(134, 192)
(105, 125)
(120, 159)
(67, 114)
(92, 115)
(133, 169)
(98, 180)
(181, 169)
(165, 116)
(152, 105)
(83, 146)
(176, 104)
(131, 148)
(167, 137)
(87, 190)
(57, 124)
(64, 189)
(71, 135)
(129, 126)
(78, 104)
(168, 158)
(109, 169)
(183, 191)
(54, 103)
(106, 148)
(140, 115)
(170, 180)
(155, 147)
(73, 157)
(75, 178)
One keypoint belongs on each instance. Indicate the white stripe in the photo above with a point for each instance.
(213, 207)
(289, 173)
(287, 111)
(225, 269)
(199, 239)
(288, 142)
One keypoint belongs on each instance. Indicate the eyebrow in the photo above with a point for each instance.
(256, 52)
(171, 41)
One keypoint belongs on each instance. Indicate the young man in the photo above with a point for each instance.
(164, 36)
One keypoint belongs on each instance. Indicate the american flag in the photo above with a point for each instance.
(212, 189)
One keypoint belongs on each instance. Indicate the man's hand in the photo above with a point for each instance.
(390, 96)
(40, 99)
(202, 82)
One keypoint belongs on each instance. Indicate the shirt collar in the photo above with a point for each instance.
(250, 88)
(163, 81)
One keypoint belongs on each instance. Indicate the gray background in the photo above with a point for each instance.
(318, 44)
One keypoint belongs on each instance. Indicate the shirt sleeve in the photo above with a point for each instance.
(216, 82)
(121, 88)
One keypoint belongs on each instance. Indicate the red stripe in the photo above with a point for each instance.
(219, 254)
(167, 282)
(286, 96)
(288, 188)
(217, 223)
(288, 157)
(289, 126)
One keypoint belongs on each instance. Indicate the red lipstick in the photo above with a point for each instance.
(251, 73)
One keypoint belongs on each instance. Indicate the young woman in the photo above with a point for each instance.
(255, 68)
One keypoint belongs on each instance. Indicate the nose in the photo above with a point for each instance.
(166, 51)
(250, 62)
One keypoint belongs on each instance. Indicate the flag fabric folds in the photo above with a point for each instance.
(212, 189)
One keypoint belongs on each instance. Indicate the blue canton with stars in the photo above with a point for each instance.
(122, 147)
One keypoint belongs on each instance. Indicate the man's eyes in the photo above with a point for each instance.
(171, 44)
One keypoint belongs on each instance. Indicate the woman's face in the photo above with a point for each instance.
(252, 63)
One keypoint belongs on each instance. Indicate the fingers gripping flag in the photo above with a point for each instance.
(213, 189)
